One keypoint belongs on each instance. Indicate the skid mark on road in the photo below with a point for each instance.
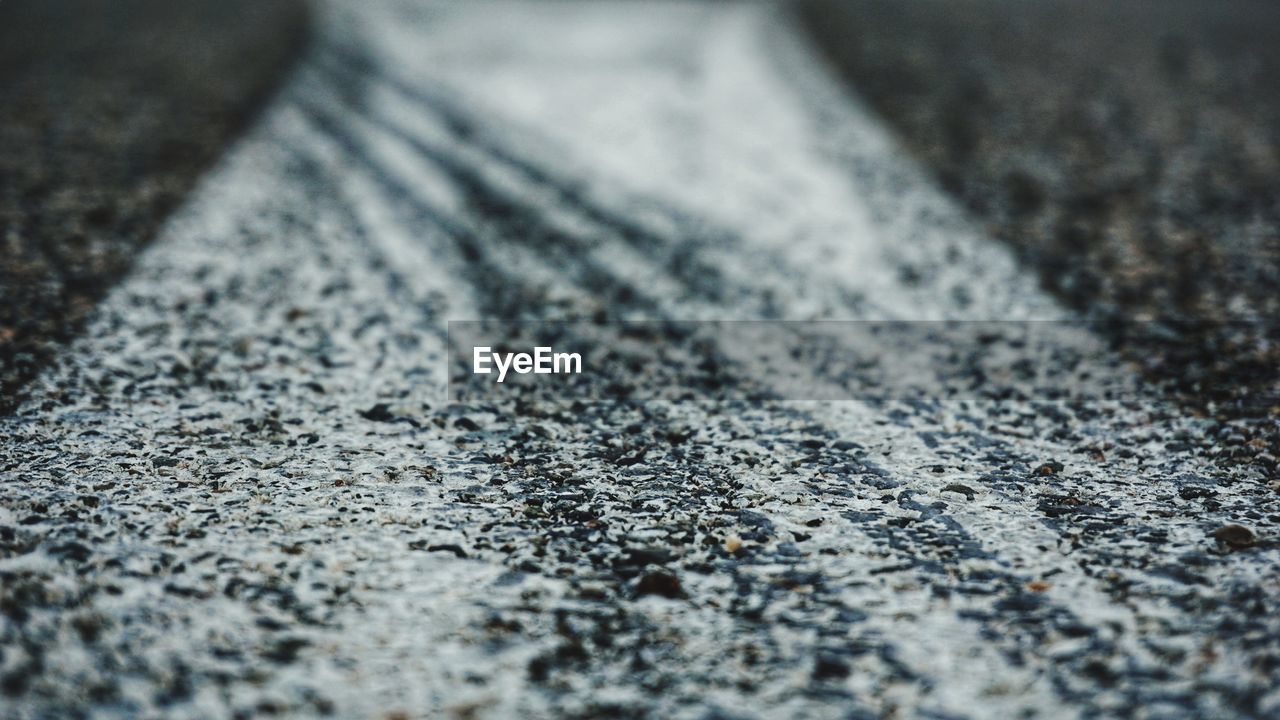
(251, 457)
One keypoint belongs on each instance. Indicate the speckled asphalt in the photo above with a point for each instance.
(246, 492)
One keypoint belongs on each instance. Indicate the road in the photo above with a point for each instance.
(244, 490)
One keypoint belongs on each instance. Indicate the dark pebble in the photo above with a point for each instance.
(830, 667)
(1046, 469)
(660, 582)
(1234, 537)
(965, 490)
(285, 650)
(378, 413)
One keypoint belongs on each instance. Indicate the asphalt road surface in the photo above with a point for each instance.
(245, 489)
(1127, 150)
(109, 112)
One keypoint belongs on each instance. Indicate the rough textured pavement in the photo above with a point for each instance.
(244, 492)
(109, 112)
(1128, 150)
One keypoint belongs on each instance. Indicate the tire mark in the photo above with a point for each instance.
(953, 536)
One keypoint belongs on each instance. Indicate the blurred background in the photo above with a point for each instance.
(109, 110)
(1128, 151)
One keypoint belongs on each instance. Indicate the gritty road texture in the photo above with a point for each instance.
(244, 492)
(1129, 151)
(109, 111)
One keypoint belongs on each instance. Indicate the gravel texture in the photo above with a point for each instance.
(244, 490)
(109, 110)
(1129, 151)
